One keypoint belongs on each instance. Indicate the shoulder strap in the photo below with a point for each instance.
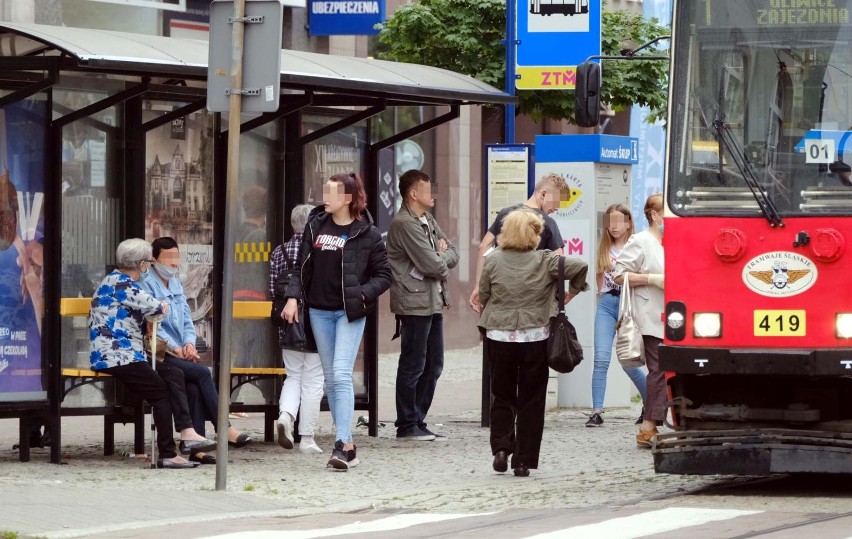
(560, 290)
(626, 294)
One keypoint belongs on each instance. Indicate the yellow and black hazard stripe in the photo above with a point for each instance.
(252, 252)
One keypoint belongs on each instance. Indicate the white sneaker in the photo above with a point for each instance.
(308, 446)
(285, 430)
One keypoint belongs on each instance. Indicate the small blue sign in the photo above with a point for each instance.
(840, 138)
(345, 17)
(587, 149)
(558, 32)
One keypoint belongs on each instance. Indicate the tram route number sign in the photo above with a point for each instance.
(261, 85)
(820, 150)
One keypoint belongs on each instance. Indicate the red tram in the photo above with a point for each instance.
(758, 320)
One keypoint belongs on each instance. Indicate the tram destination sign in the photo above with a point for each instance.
(774, 13)
(797, 12)
(554, 36)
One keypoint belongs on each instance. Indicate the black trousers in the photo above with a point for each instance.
(140, 378)
(201, 393)
(421, 361)
(519, 374)
(176, 383)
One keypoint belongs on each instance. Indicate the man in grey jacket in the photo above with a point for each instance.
(420, 256)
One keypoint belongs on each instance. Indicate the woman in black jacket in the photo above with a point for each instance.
(344, 270)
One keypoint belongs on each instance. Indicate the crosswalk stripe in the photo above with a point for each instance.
(395, 522)
(645, 524)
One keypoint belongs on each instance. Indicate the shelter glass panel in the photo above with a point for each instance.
(343, 151)
(254, 341)
(92, 176)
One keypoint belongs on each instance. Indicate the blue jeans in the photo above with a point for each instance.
(605, 319)
(421, 361)
(201, 393)
(338, 340)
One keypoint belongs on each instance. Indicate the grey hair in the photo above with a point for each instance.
(299, 217)
(131, 253)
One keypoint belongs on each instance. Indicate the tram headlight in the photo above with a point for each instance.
(843, 325)
(707, 325)
(675, 320)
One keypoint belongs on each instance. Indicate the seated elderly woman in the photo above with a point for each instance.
(518, 291)
(116, 329)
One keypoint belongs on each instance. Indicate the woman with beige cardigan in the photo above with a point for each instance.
(518, 293)
(642, 262)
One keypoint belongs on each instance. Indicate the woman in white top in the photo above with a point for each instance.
(618, 227)
(642, 262)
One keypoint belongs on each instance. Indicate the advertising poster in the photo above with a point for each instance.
(22, 137)
(179, 203)
(340, 152)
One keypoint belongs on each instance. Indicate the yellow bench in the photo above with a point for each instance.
(252, 310)
(74, 306)
(245, 310)
(83, 373)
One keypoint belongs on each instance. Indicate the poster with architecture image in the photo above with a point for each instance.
(179, 203)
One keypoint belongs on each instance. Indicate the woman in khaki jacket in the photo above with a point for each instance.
(518, 292)
(642, 262)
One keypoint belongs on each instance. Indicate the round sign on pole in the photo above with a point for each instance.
(409, 156)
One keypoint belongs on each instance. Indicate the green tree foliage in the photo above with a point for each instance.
(465, 36)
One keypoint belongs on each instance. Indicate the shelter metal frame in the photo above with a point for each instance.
(46, 53)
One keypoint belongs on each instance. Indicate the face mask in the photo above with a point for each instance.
(166, 272)
(660, 227)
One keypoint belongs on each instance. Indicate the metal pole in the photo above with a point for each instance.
(154, 327)
(509, 110)
(231, 197)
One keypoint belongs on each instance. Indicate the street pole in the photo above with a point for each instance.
(231, 197)
(509, 110)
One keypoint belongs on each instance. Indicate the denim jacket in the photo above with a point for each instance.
(176, 328)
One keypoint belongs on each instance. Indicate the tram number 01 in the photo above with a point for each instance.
(819, 150)
(779, 323)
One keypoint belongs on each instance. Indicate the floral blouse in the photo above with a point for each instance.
(117, 321)
(519, 335)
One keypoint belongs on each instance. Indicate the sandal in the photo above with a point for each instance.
(242, 441)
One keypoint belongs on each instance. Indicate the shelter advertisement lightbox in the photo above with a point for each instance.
(22, 160)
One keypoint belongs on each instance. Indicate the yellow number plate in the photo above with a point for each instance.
(779, 323)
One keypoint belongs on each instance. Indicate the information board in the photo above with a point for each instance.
(508, 176)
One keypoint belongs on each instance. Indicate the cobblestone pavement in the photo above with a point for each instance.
(580, 468)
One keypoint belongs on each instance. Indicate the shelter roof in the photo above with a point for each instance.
(107, 51)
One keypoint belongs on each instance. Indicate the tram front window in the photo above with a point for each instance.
(761, 108)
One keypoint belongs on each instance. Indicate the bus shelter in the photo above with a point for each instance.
(105, 136)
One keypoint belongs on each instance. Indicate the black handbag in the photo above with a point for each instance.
(564, 351)
(279, 299)
(295, 336)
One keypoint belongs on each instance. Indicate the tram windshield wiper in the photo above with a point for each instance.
(727, 140)
(730, 144)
